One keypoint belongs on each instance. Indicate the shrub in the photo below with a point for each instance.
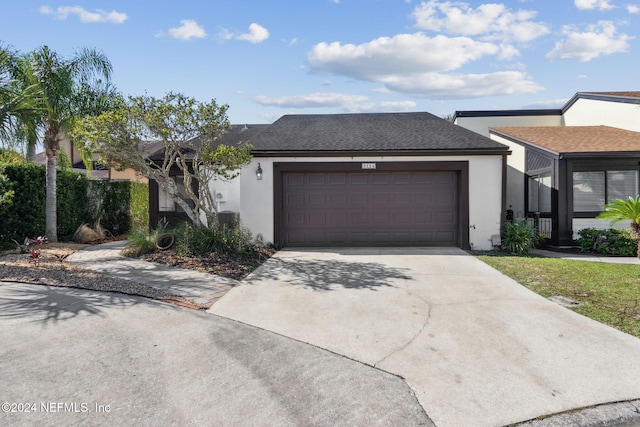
(218, 238)
(144, 241)
(518, 237)
(120, 206)
(611, 242)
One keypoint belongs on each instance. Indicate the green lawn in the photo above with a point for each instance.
(608, 293)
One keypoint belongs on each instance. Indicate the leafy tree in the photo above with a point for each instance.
(187, 133)
(625, 210)
(67, 87)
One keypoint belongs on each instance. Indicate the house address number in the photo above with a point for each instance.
(368, 166)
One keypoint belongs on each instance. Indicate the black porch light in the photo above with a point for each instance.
(259, 173)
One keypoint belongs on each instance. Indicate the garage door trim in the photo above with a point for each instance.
(462, 167)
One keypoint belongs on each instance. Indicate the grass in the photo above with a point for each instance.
(608, 293)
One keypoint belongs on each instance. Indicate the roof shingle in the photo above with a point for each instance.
(368, 132)
(575, 139)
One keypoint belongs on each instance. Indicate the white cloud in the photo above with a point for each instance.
(189, 29)
(403, 54)
(633, 8)
(593, 4)
(489, 21)
(346, 102)
(452, 86)
(598, 40)
(257, 34)
(422, 65)
(311, 100)
(84, 15)
(380, 107)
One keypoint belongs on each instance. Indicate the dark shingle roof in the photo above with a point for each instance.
(368, 132)
(237, 134)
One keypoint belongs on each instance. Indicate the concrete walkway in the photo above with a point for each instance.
(477, 348)
(202, 288)
(586, 257)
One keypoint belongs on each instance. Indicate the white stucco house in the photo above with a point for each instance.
(396, 179)
(567, 163)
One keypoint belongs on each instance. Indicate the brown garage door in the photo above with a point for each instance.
(370, 208)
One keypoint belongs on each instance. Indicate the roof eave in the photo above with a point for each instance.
(600, 154)
(497, 151)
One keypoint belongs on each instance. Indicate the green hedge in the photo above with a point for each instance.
(121, 205)
(25, 215)
(139, 206)
(612, 241)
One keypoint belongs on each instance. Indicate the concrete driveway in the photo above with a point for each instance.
(77, 357)
(476, 347)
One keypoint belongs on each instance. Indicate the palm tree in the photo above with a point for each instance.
(19, 101)
(621, 210)
(66, 84)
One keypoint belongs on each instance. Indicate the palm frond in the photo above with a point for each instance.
(621, 210)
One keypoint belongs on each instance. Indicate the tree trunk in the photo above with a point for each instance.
(31, 152)
(51, 227)
(635, 233)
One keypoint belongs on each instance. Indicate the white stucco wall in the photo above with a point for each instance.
(516, 164)
(591, 112)
(481, 125)
(231, 194)
(485, 193)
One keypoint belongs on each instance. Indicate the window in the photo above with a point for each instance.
(593, 189)
(166, 203)
(540, 193)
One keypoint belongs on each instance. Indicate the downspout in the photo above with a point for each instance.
(503, 213)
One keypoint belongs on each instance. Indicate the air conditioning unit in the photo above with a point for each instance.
(221, 196)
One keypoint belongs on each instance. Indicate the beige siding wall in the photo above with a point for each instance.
(589, 112)
(481, 125)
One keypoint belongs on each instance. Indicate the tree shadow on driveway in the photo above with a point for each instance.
(327, 275)
(49, 304)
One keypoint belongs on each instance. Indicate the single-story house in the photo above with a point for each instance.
(566, 164)
(163, 208)
(383, 179)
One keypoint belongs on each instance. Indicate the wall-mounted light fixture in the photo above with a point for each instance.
(259, 173)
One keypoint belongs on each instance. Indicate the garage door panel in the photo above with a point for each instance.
(359, 200)
(370, 208)
(403, 199)
(401, 178)
(338, 179)
(380, 179)
(294, 179)
(381, 218)
(359, 218)
(358, 179)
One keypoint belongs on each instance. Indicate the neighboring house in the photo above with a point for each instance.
(567, 164)
(397, 179)
(98, 171)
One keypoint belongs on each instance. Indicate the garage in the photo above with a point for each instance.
(345, 205)
(373, 179)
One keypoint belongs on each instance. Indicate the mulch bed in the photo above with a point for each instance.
(233, 266)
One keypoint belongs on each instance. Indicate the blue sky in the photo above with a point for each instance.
(269, 58)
